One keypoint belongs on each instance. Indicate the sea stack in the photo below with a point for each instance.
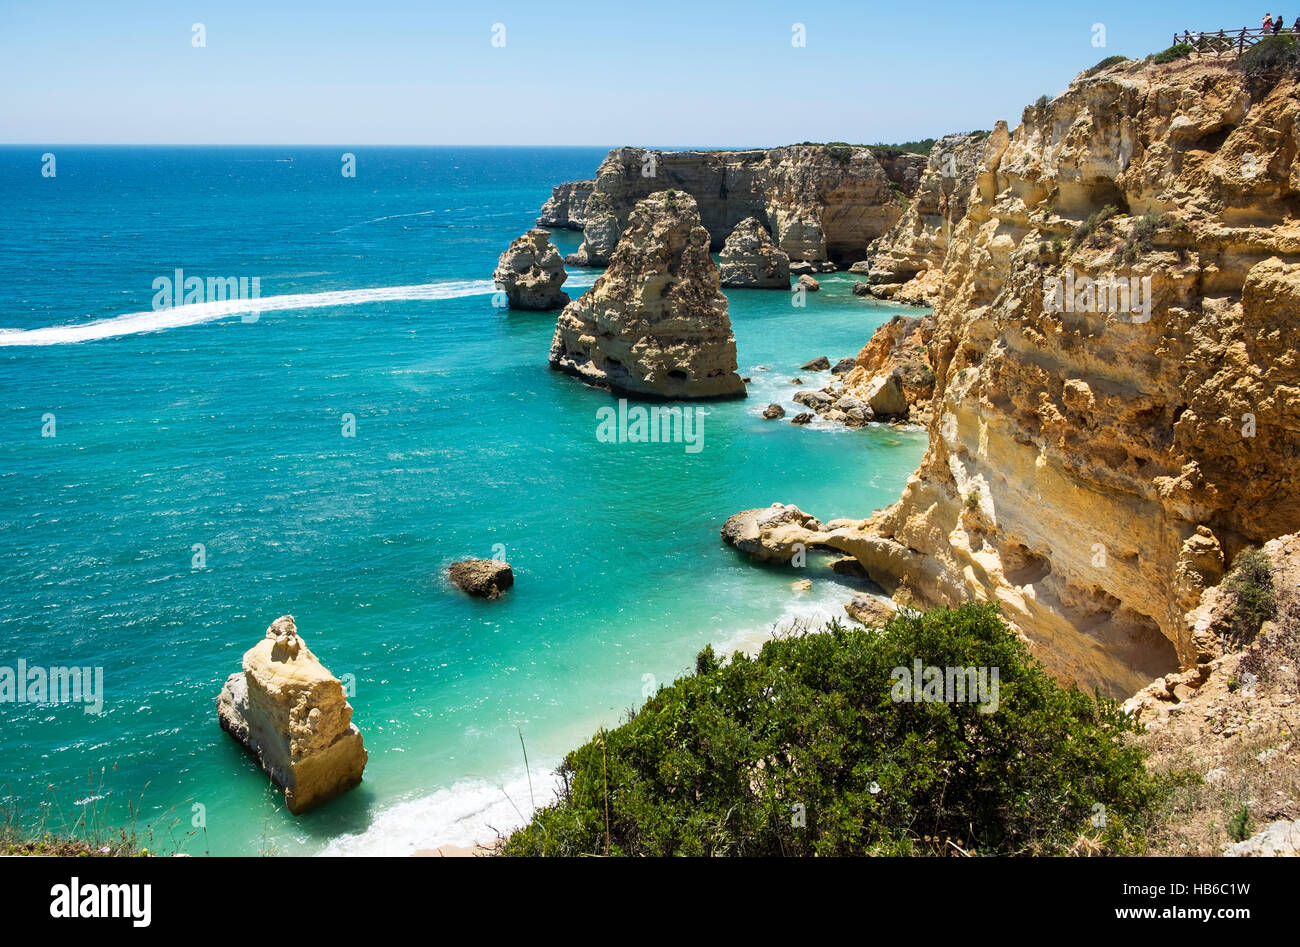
(292, 715)
(531, 272)
(751, 260)
(655, 324)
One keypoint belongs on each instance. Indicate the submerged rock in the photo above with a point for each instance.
(531, 273)
(751, 260)
(483, 578)
(292, 715)
(655, 323)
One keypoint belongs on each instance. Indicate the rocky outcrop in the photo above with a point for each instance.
(482, 578)
(890, 380)
(750, 260)
(1074, 451)
(292, 715)
(1280, 839)
(906, 264)
(531, 272)
(567, 207)
(655, 324)
(1231, 718)
(821, 203)
(772, 534)
(904, 169)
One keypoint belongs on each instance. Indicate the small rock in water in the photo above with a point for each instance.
(796, 381)
(803, 585)
(819, 364)
(844, 366)
(808, 284)
(860, 288)
(773, 411)
(484, 578)
(803, 417)
(872, 612)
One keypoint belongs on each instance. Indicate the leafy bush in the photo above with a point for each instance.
(1254, 597)
(803, 750)
(1105, 64)
(839, 150)
(1141, 236)
(1096, 224)
(1272, 56)
(922, 147)
(1177, 51)
(1239, 825)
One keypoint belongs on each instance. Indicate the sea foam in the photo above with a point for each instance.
(155, 320)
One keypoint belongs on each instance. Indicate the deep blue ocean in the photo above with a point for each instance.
(229, 434)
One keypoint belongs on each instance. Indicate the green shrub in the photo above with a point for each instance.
(1177, 51)
(922, 147)
(1254, 597)
(1272, 56)
(1239, 825)
(803, 750)
(1142, 235)
(1105, 64)
(1093, 228)
(839, 151)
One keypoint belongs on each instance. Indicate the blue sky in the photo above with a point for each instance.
(658, 72)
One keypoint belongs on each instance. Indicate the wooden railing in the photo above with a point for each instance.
(1224, 42)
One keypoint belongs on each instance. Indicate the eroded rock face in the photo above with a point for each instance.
(567, 207)
(771, 534)
(292, 715)
(483, 578)
(531, 272)
(655, 324)
(750, 260)
(821, 204)
(906, 264)
(1074, 454)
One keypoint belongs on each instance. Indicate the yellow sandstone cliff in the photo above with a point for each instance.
(1095, 464)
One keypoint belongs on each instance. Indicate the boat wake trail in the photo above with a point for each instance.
(178, 316)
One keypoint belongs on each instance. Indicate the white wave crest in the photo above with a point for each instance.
(178, 316)
(468, 813)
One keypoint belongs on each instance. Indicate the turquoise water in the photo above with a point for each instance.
(229, 434)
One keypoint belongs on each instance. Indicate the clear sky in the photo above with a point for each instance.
(655, 72)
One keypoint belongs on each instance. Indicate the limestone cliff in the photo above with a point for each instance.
(906, 264)
(293, 716)
(655, 324)
(1092, 466)
(820, 202)
(1074, 453)
(567, 207)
